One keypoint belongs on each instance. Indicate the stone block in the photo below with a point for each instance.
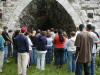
(90, 6)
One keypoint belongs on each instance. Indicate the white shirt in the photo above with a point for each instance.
(71, 46)
(49, 41)
(52, 35)
(30, 43)
(95, 38)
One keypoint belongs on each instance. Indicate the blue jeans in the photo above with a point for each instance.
(71, 62)
(34, 59)
(31, 56)
(79, 68)
(5, 53)
(65, 56)
(49, 55)
(9, 49)
(15, 53)
(92, 65)
(59, 53)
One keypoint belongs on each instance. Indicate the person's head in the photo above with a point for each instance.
(27, 33)
(52, 29)
(38, 31)
(72, 34)
(81, 27)
(44, 33)
(17, 32)
(23, 30)
(60, 33)
(48, 30)
(0, 31)
(93, 28)
(5, 28)
(65, 34)
(89, 27)
(33, 32)
(48, 34)
(10, 31)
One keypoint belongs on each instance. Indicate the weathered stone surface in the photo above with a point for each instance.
(97, 12)
(76, 8)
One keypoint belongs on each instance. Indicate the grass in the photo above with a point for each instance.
(11, 69)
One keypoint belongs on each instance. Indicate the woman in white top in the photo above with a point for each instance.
(71, 51)
(30, 47)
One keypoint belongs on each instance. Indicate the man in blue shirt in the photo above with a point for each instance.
(41, 50)
(22, 46)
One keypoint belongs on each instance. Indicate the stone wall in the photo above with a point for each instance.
(80, 11)
(11, 9)
(92, 10)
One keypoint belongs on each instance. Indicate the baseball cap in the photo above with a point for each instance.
(23, 29)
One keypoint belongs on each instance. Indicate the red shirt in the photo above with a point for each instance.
(57, 42)
(99, 36)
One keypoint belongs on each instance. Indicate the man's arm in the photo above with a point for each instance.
(27, 44)
(77, 44)
(77, 53)
(98, 42)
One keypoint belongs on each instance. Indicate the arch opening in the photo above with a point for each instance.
(46, 14)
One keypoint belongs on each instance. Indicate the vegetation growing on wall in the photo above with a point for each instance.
(45, 14)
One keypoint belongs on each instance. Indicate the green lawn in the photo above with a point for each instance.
(11, 69)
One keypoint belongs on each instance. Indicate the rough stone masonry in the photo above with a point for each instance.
(80, 11)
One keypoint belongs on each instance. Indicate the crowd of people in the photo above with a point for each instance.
(38, 47)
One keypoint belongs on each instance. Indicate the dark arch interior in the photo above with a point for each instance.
(46, 14)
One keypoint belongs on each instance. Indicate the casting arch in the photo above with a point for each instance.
(24, 3)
